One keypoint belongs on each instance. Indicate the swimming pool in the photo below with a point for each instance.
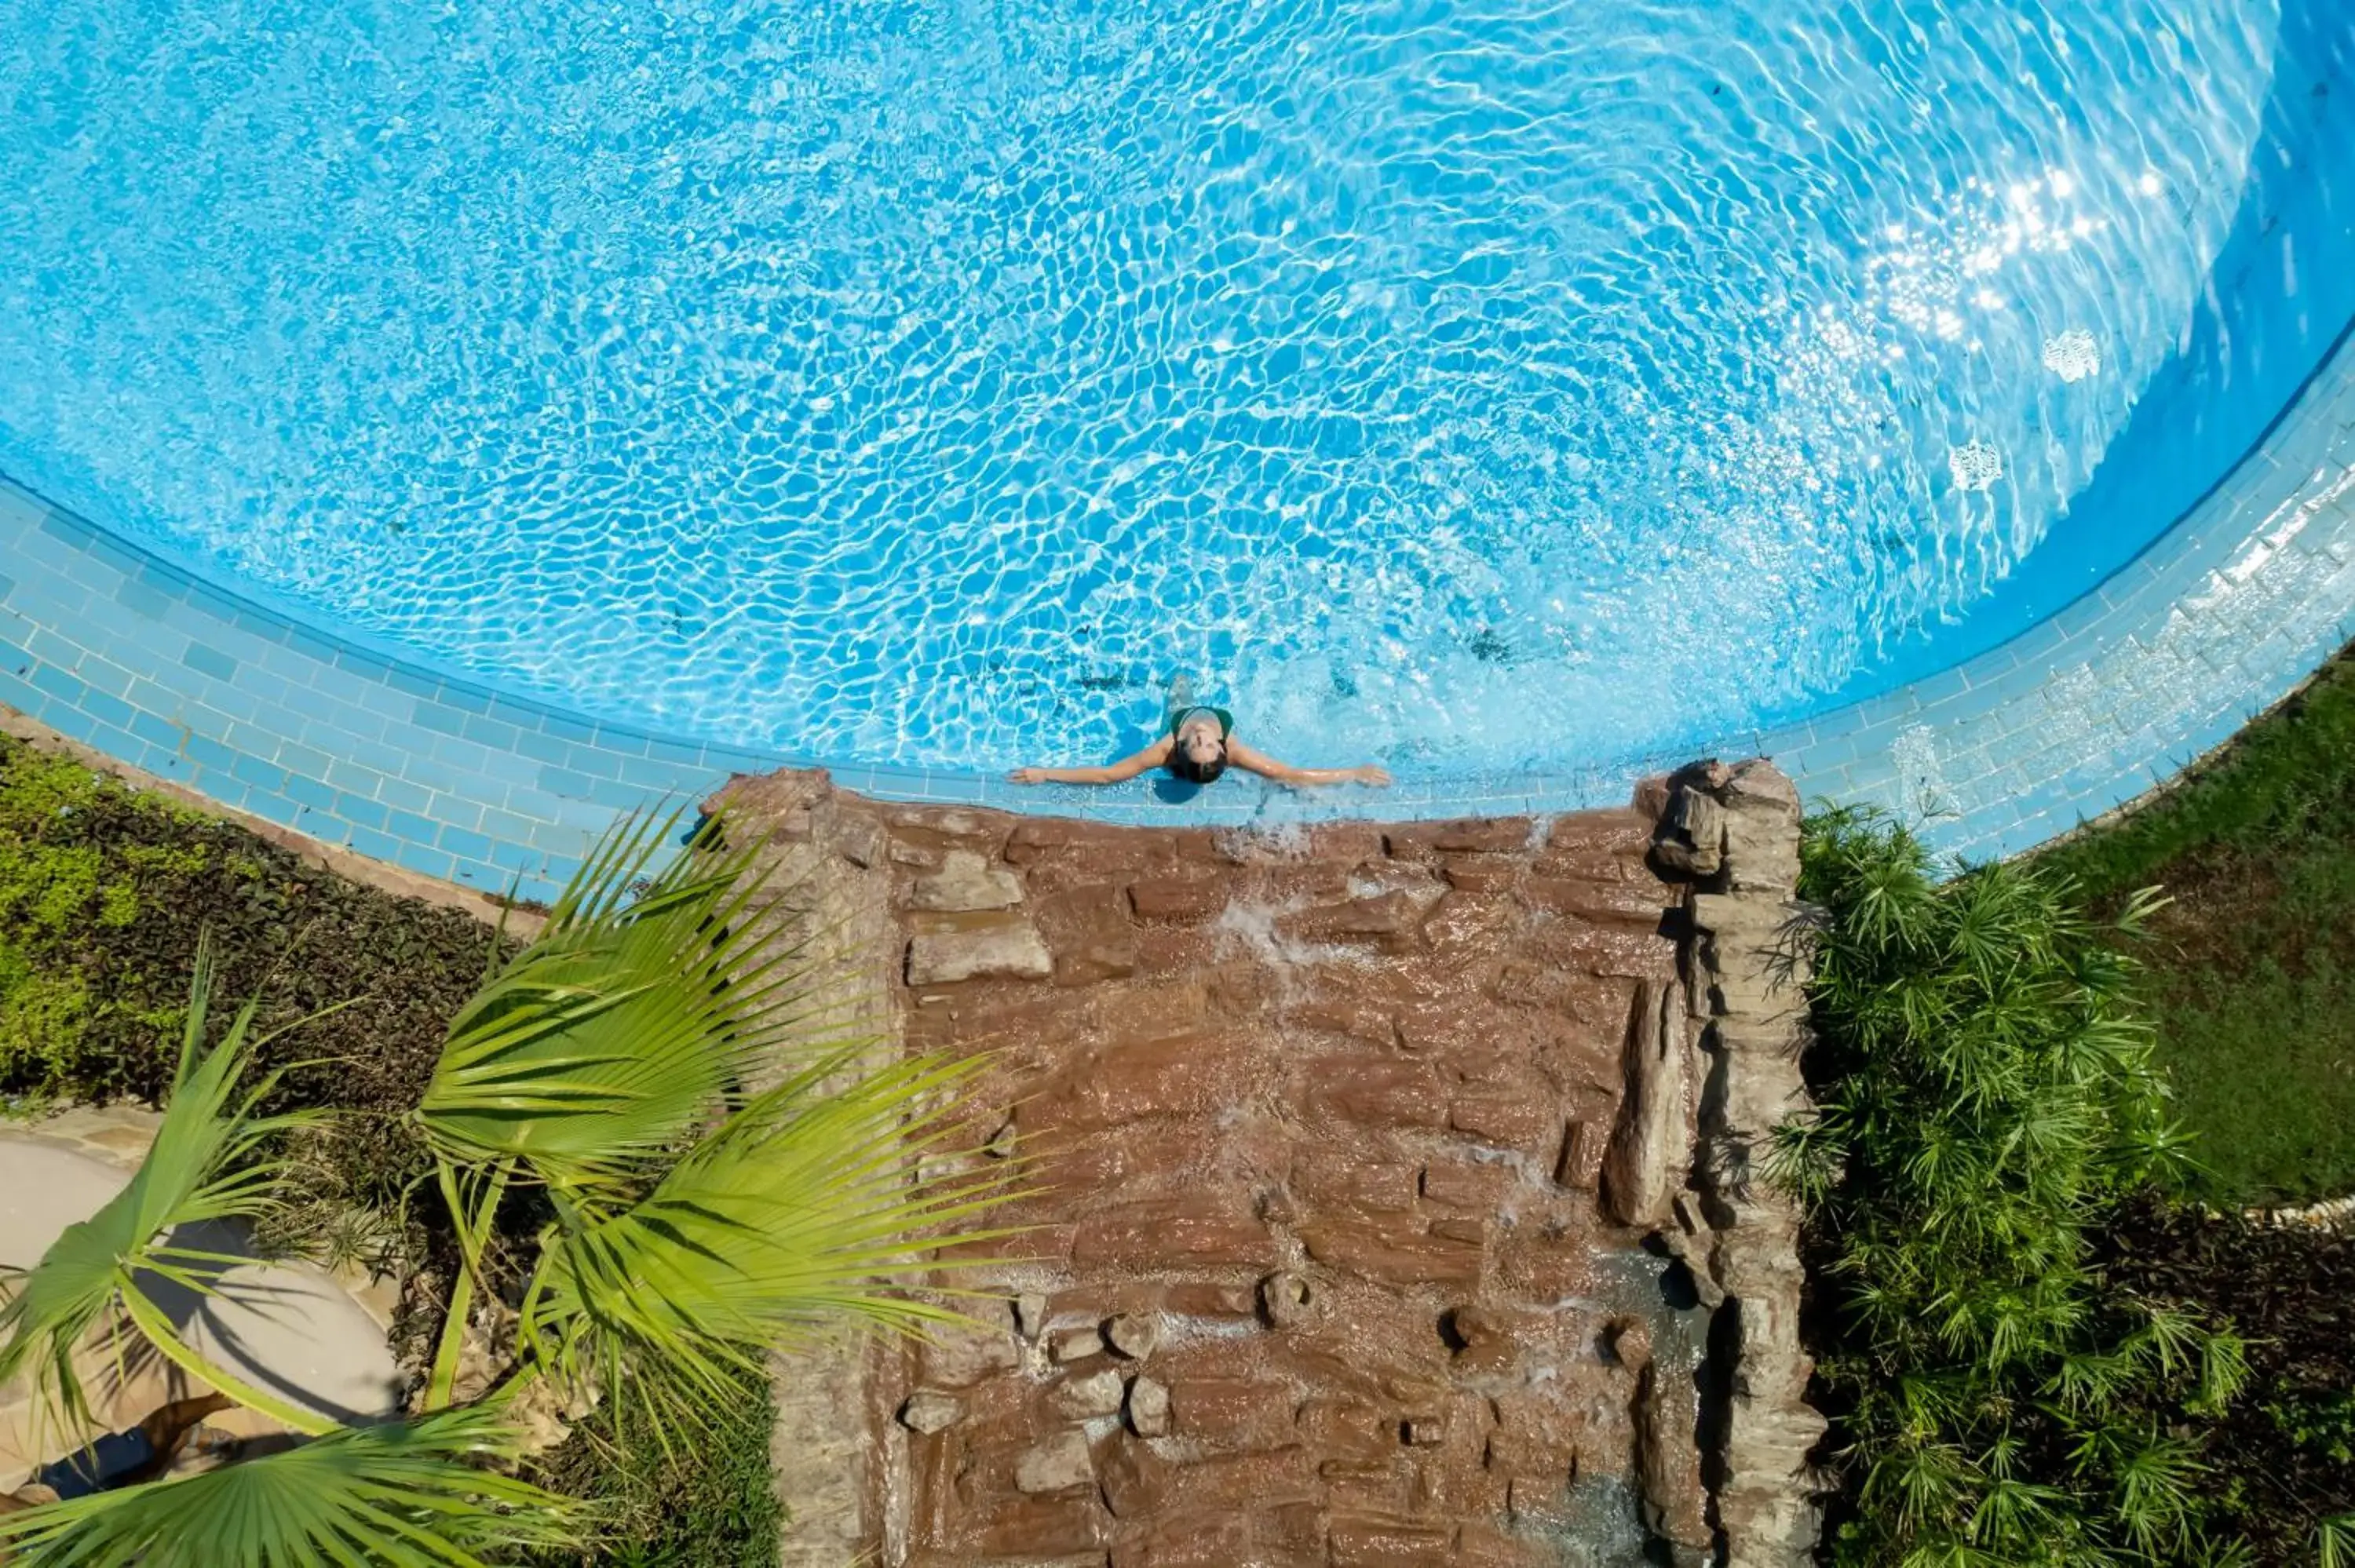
(1477, 388)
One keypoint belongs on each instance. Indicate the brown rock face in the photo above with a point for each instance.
(1648, 1151)
(1735, 832)
(1315, 1124)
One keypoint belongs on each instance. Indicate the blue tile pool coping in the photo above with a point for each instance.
(123, 651)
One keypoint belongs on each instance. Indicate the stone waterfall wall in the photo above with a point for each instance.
(825, 854)
(1344, 1127)
(1734, 834)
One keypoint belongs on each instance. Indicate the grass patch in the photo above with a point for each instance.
(2252, 969)
(714, 1508)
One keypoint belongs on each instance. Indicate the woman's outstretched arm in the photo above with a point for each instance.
(1267, 767)
(1129, 766)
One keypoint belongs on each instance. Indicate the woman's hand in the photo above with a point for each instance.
(1029, 776)
(1377, 777)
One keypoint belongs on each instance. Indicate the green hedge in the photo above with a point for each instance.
(104, 893)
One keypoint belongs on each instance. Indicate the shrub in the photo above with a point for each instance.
(1986, 1102)
(104, 893)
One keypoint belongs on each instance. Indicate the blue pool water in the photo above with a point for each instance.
(1471, 385)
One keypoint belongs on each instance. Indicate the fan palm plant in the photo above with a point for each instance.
(1987, 1097)
(723, 1177)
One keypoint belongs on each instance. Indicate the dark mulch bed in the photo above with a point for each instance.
(2284, 1457)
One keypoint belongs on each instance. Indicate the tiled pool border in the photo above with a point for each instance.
(2220, 619)
(123, 651)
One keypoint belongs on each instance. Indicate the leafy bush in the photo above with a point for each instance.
(104, 893)
(44, 1018)
(1986, 1102)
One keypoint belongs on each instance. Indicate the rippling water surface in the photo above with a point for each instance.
(1475, 385)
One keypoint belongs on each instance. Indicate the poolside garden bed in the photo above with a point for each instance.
(2283, 1456)
(105, 894)
(2036, 1343)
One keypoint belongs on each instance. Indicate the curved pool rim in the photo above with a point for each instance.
(1441, 697)
(2115, 655)
(2226, 613)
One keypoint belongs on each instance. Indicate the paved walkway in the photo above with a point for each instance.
(291, 1328)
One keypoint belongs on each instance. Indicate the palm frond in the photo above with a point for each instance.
(647, 1002)
(798, 1215)
(209, 1162)
(411, 1495)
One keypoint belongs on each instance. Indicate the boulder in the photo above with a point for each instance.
(965, 882)
(1176, 898)
(1285, 1298)
(1692, 835)
(1084, 1398)
(1011, 950)
(1668, 1462)
(1762, 836)
(1134, 1335)
(956, 1356)
(1641, 1172)
(1078, 1344)
(928, 1410)
(1580, 1168)
(1148, 1408)
(1059, 1463)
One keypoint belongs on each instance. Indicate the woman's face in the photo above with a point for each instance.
(1199, 741)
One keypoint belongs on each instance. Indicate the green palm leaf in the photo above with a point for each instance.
(209, 1163)
(613, 1038)
(404, 1495)
(797, 1215)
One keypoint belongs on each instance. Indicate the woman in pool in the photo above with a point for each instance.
(1198, 745)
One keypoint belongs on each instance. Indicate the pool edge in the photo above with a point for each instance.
(123, 651)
